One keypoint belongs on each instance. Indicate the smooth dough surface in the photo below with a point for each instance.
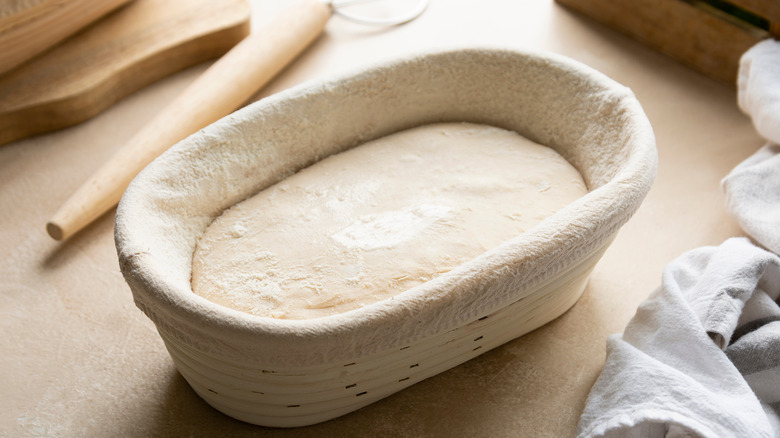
(366, 224)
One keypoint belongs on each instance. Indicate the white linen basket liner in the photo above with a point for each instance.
(296, 372)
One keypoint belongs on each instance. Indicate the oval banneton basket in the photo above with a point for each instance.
(297, 372)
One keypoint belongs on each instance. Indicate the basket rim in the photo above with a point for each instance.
(596, 216)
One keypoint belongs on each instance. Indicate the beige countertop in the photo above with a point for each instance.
(78, 359)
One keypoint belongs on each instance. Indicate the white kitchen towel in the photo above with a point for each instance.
(752, 189)
(701, 357)
(752, 192)
(758, 87)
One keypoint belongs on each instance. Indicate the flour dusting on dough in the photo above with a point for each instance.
(369, 223)
(389, 228)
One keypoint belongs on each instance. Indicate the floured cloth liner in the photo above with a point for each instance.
(701, 357)
(161, 216)
(290, 373)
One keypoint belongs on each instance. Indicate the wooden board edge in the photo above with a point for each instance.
(76, 108)
(691, 36)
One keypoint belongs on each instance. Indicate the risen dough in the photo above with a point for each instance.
(371, 222)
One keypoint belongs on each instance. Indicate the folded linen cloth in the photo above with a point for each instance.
(701, 357)
(758, 87)
(687, 360)
(752, 189)
(752, 192)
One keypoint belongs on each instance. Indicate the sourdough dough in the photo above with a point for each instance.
(371, 222)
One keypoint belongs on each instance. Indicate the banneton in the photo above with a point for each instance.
(289, 372)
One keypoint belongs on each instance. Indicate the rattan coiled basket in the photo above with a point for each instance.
(298, 372)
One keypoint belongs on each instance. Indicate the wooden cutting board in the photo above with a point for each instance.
(126, 50)
(28, 27)
(709, 36)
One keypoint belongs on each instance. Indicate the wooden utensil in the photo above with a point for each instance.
(221, 89)
(129, 49)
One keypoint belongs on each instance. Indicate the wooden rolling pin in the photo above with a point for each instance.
(227, 84)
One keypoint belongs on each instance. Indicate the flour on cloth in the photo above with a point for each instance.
(686, 362)
(701, 357)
